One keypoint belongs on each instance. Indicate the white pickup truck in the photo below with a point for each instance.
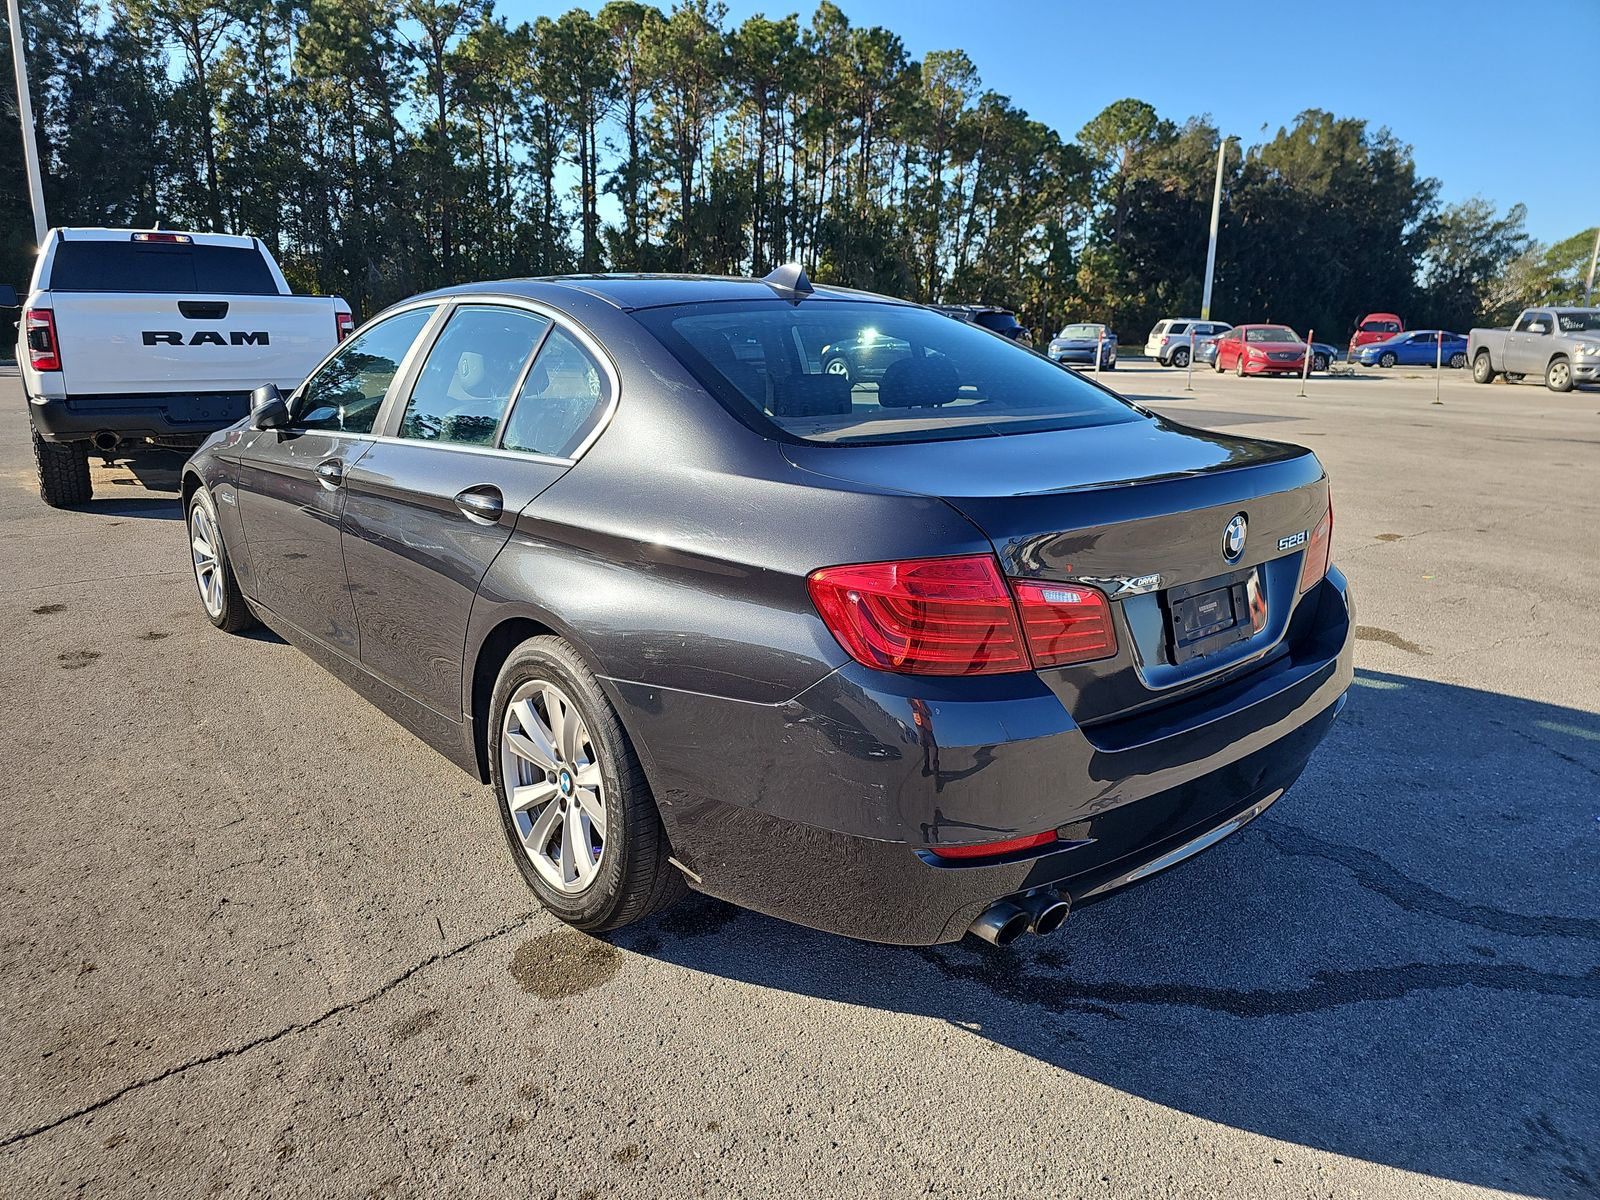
(153, 335)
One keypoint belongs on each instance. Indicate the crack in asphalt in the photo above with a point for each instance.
(266, 1039)
(1377, 875)
(1003, 973)
(1544, 745)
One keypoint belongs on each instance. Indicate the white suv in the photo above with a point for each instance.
(1172, 339)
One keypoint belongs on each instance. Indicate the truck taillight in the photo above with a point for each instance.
(44, 348)
(956, 616)
(345, 324)
(1318, 550)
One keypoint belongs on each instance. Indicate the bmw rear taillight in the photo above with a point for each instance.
(930, 616)
(344, 323)
(956, 616)
(1064, 623)
(44, 349)
(1318, 550)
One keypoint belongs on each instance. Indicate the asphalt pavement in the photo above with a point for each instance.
(258, 939)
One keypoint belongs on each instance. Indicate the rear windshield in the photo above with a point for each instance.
(1380, 327)
(95, 266)
(861, 373)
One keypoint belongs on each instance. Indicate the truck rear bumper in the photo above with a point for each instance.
(176, 414)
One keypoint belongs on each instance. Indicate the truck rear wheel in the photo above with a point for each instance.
(63, 472)
(1482, 371)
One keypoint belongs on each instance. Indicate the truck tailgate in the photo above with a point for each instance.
(120, 344)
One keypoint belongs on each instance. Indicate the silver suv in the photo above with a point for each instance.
(1170, 340)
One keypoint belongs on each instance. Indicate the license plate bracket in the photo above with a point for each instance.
(1212, 614)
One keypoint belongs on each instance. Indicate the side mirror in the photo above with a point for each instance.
(8, 296)
(1537, 327)
(268, 409)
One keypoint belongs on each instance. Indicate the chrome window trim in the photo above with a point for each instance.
(468, 448)
(449, 303)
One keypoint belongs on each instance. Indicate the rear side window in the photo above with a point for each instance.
(856, 373)
(474, 367)
(192, 270)
(563, 397)
(1179, 327)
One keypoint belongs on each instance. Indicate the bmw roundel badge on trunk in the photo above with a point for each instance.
(1233, 538)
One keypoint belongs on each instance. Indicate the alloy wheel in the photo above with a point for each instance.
(205, 543)
(553, 788)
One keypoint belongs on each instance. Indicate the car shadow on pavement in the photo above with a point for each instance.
(1399, 962)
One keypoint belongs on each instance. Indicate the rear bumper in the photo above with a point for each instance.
(821, 811)
(182, 414)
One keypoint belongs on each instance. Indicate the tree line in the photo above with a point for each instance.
(383, 147)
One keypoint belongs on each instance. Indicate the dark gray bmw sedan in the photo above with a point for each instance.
(951, 649)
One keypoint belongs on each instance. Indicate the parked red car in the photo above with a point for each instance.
(1375, 327)
(1261, 350)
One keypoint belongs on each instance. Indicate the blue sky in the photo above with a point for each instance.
(1473, 87)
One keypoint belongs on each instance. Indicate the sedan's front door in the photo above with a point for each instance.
(431, 505)
(292, 481)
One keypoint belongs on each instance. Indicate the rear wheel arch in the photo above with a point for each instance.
(491, 654)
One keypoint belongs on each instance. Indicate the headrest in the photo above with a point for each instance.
(810, 396)
(470, 374)
(918, 382)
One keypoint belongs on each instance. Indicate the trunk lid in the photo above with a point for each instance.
(146, 344)
(1113, 506)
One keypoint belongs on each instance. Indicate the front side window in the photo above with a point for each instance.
(346, 393)
(466, 383)
(563, 397)
(854, 372)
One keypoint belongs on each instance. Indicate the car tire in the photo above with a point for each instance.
(1319, 362)
(1180, 357)
(220, 598)
(1238, 367)
(63, 472)
(1558, 375)
(629, 877)
(1458, 360)
(1482, 368)
(1110, 366)
(1387, 359)
(837, 366)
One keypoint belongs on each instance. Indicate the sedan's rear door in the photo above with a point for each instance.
(488, 424)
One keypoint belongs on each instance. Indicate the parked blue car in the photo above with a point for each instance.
(1415, 348)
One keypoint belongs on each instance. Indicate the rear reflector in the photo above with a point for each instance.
(929, 616)
(1064, 623)
(174, 239)
(44, 350)
(990, 849)
(1317, 550)
(344, 324)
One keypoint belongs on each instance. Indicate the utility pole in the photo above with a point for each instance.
(30, 148)
(1216, 214)
(1588, 287)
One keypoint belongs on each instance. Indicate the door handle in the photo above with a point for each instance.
(331, 472)
(482, 503)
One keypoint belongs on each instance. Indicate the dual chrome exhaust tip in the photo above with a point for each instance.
(1040, 912)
